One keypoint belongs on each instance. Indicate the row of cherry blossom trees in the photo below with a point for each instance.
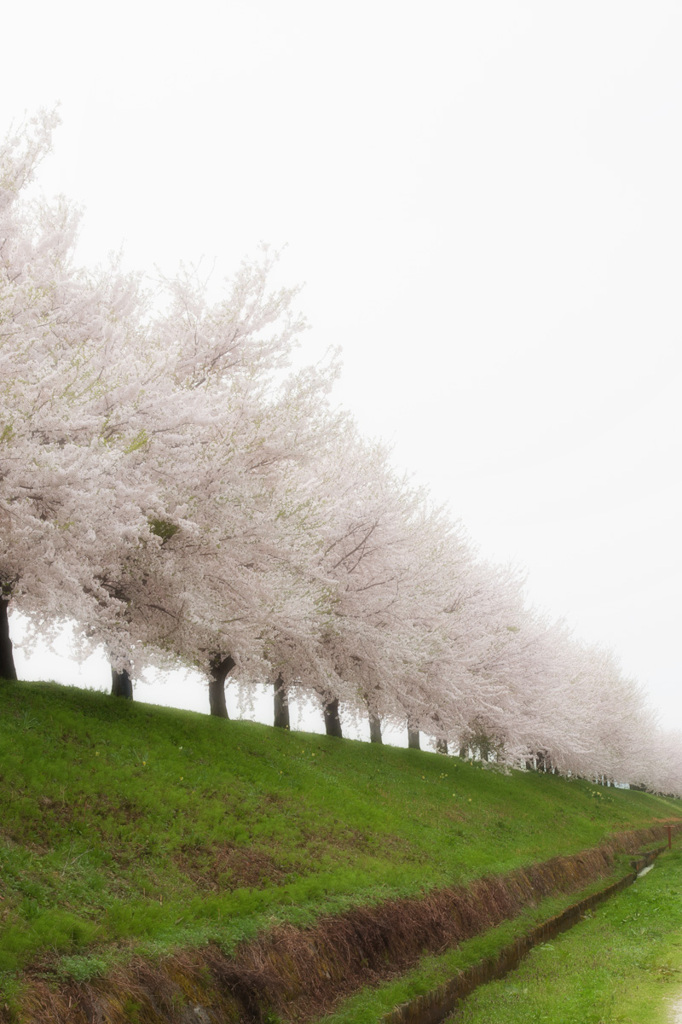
(174, 485)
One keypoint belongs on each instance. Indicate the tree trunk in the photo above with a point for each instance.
(220, 669)
(7, 669)
(413, 738)
(463, 751)
(281, 704)
(441, 744)
(375, 729)
(332, 722)
(121, 683)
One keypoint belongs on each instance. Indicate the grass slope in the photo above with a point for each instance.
(130, 827)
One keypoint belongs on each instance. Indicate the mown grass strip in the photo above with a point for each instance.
(622, 964)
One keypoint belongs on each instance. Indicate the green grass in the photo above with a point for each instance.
(130, 827)
(622, 965)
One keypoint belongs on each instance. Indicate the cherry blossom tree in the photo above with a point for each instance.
(227, 585)
(63, 485)
(137, 428)
(375, 630)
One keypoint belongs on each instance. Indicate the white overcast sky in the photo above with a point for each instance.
(485, 202)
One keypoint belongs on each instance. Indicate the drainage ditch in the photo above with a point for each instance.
(434, 1006)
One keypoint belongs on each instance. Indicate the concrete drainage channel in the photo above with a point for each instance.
(436, 1005)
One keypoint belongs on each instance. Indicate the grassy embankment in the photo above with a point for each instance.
(133, 828)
